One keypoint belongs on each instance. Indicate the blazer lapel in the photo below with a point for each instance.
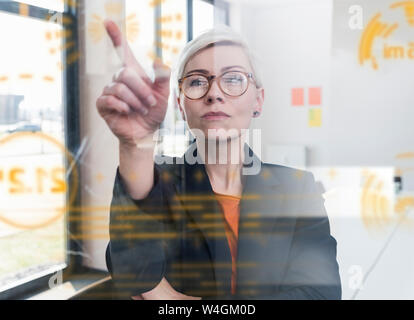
(208, 219)
(265, 231)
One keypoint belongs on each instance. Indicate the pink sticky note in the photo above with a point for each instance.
(315, 96)
(298, 97)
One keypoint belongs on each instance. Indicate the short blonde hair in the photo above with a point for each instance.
(220, 35)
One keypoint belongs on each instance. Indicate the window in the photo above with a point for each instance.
(55, 5)
(207, 14)
(36, 187)
(203, 17)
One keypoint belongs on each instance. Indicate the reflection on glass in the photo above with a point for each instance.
(140, 29)
(172, 29)
(32, 175)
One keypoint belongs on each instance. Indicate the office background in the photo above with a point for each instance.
(338, 102)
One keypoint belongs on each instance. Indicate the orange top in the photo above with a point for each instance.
(231, 210)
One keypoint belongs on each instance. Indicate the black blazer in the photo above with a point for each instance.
(285, 250)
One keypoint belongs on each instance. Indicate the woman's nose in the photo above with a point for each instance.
(214, 94)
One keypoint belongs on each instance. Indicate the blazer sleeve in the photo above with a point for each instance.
(136, 255)
(312, 271)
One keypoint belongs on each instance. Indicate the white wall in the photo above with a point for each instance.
(368, 106)
(292, 42)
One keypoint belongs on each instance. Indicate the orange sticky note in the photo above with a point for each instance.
(298, 97)
(315, 96)
(315, 118)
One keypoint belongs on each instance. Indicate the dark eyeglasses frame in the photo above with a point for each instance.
(210, 79)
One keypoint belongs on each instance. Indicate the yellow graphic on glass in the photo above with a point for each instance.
(374, 29)
(61, 40)
(33, 194)
(171, 35)
(114, 8)
(375, 206)
(155, 3)
(408, 8)
(380, 30)
(96, 28)
(23, 9)
(405, 155)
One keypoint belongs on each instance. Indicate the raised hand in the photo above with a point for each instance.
(132, 105)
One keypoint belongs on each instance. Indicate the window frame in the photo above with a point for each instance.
(70, 106)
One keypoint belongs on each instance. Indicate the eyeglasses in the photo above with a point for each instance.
(232, 83)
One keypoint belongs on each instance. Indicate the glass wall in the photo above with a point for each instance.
(32, 147)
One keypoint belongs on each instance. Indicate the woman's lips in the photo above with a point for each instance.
(211, 116)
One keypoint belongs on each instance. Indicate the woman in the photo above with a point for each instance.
(208, 228)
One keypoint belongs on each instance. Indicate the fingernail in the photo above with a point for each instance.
(151, 101)
(144, 112)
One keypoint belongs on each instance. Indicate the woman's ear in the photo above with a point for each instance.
(259, 102)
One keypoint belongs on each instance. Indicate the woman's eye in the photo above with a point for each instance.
(233, 80)
(197, 83)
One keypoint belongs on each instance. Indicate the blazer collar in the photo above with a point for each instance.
(258, 177)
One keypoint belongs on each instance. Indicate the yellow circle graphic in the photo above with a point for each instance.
(18, 137)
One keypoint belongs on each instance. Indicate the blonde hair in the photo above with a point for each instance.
(220, 35)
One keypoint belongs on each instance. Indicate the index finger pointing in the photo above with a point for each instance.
(123, 49)
(113, 32)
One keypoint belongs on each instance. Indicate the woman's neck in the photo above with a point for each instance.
(224, 162)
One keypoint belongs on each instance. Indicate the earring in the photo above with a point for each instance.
(256, 113)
